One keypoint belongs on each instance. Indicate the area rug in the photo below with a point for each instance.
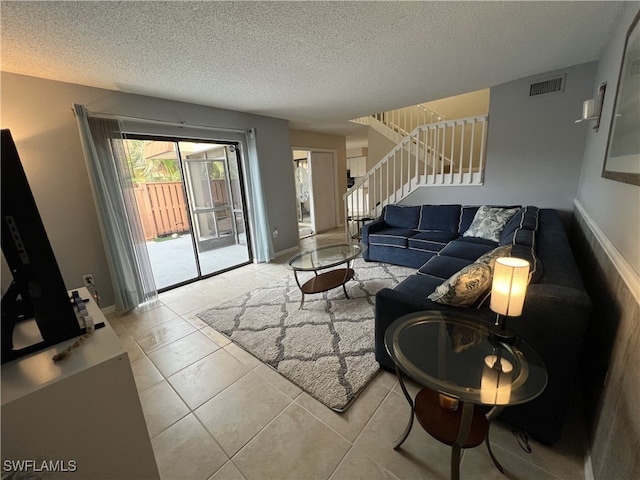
(327, 347)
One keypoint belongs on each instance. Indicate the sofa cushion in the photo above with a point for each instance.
(443, 218)
(465, 287)
(466, 217)
(525, 219)
(489, 222)
(442, 267)
(431, 241)
(528, 254)
(418, 285)
(466, 250)
(531, 218)
(510, 228)
(401, 216)
(391, 237)
(524, 237)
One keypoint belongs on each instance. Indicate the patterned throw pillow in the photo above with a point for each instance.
(490, 257)
(463, 288)
(489, 222)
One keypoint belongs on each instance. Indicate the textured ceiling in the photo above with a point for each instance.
(317, 64)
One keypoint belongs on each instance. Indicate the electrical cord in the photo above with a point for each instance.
(94, 294)
(523, 440)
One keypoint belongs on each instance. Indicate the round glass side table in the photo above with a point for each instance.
(469, 377)
(325, 258)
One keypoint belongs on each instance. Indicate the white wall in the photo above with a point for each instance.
(461, 106)
(38, 113)
(534, 148)
(614, 206)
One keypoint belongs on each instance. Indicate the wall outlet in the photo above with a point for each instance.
(88, 280)
(275, 233)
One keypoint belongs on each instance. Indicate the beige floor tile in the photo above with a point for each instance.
(145, 373)
(162, 407)
(117, 326)
(187, 451)
(177, 293)
(387, 379)
(191, 302)
(238, 413)
(357, 465)
(182, 353)
(267, 373)
(563, 459)
(193, 319)
(228, 472)
(420, 456)
(477, 464)
(131, 346)
(137, 323)
(294, 446)
(170, 331)
(216, 336)
(349, 424)
(242, 355)
(204, 379)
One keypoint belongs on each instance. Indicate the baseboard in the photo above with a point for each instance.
(588, 466)
(628, 274)
(287, 251)
(108, 309)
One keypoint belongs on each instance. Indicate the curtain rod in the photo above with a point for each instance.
(163, 122)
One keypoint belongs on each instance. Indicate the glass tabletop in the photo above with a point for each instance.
(452, 353)
(325, 257)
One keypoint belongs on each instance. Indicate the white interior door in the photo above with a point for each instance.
(323, 198)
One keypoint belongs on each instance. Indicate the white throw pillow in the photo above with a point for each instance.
(489, 222)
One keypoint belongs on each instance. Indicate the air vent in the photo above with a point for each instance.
(634, 69)
(553, 85)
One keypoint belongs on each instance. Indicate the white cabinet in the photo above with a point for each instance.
(81, 416)
(357, 166)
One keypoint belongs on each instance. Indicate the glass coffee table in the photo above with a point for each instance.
(325, 258)
(469, 377)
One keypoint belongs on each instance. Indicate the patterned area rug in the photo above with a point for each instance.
(326, 348)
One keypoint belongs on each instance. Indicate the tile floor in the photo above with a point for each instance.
(215, 412)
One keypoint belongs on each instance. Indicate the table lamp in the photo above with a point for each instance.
(509, 287)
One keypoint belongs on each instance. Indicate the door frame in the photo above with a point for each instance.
(242, 167)
(338, 198)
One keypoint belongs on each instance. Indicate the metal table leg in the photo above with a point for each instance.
(407, 429)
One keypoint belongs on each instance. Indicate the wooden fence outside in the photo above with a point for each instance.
(163, 208)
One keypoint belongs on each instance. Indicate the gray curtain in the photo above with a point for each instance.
(263, 247)
(113, 193)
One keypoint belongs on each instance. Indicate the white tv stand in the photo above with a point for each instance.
(81, 415)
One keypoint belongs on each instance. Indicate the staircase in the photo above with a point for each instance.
(396, 124)
(441, 153)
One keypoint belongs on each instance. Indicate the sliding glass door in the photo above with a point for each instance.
(190, 199)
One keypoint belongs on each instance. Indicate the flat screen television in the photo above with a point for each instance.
(37, 291)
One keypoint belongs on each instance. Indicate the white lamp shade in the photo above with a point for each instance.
(495, 388)
(510, 279)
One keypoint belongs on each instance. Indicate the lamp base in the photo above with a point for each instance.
(503, 335)
(500, 332)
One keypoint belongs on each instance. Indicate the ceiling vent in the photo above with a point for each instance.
(552, 85)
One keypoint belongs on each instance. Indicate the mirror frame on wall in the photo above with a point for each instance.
(622, 158)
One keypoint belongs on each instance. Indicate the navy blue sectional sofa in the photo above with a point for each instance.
(431, 239)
